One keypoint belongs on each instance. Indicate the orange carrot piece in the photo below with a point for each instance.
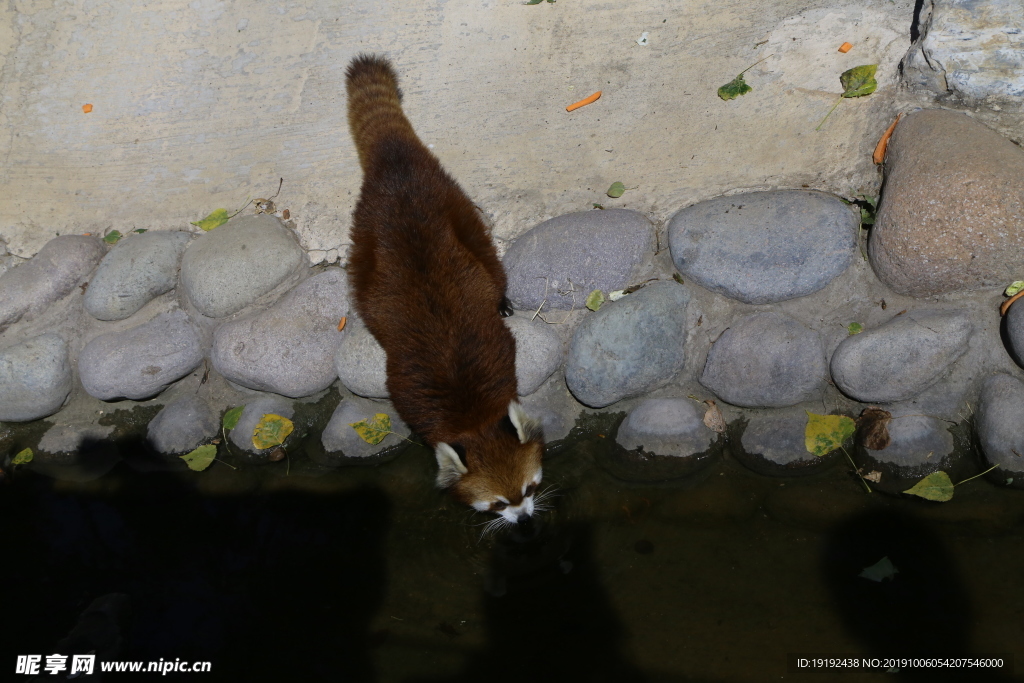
(585, 101)
(86, 108)
(883, 142)
(1006, 304)
(845, 47)
(341, 323)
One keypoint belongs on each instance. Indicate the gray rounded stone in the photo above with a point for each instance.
(241, 435)
(539, 351)
(629, 346)
(563, 259)
(763, 247)
(232, 266)
(49, 276)
(999, 419)
(339, 436)
(35, 378)
(361, 363)
(288, 349)
(138, 269)
(140, 362)
(183, 425)
(1015, 329)
(665, 426)
(776, 445)
(902, 357)
(766, 360)
(915, 441)
(951, 216)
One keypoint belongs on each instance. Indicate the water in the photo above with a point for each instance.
(290, 571)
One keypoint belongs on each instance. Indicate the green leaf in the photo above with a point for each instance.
(866, 217)
(534, 2)
(854, 328)
(139, 230)
(677, 277)
(374, 430)
(201, 458)
(271, 431)
(598, 206)
(217, 217)
(23, 458)
(881, 570)
(1014, 288)
(734, 88)
(230, 420)
(825, 433)
(595, 300)
(936, 486)
(859, 81)
(112, 237)
(616, 190)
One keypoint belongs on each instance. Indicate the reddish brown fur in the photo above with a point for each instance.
(428, 284)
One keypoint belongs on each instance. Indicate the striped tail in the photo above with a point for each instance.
(374, 105)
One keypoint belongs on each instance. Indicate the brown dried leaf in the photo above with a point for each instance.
(874, 428)
(874, 476)
(713, 418)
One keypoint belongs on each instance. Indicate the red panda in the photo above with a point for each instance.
(428, 283)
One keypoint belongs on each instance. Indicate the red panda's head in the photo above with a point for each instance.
(497, 470)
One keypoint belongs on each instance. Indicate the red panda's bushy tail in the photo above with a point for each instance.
(374, 104)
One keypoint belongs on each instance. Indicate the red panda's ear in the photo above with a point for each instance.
(450, 467)
(527, 428)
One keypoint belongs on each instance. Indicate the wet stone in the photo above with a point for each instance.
(629, 346)
(340, 440)
(360, 362)
(290, 348)
(951, 217)
(998, 421)
(181, 426)
(76, 451)
(59, 267)
(766, 360)
(919, 445)
(241, 435)
(902, 357)
(776, 445)
(563, 259)
(138, 269)
(763, 247)
(539, 351)
(660, 439)
(35, 378)
(232, 266)
(140, 362)
(1015, 330)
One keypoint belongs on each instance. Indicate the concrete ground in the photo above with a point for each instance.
(207, 105)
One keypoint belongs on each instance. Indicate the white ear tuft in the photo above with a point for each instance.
(450, 467)
(527, 428)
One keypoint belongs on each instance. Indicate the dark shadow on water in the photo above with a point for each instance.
(923, 610)
(266, 586)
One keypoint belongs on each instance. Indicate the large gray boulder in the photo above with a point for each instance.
(35, 378)
(630, 346)
(183, 425)
(951, 216)
(999, 419)
(763, 247)
(137, 269)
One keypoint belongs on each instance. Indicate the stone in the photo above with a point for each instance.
(998, 420)
(232, 266)
(563, 259)
(56, 271)
(776, 445)
(766, 360)
(902, 357)
(539, 351)
(919, 445)
(140, 362)
(138, 269)
(361, 363)
(1015, 330)
(665, 426)
(951, 217)
(629, 346)
(339, 436)
(764, 247)
(241, 435)
(182, 425)
(35, 378)
(972, 49)
(288, 349)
